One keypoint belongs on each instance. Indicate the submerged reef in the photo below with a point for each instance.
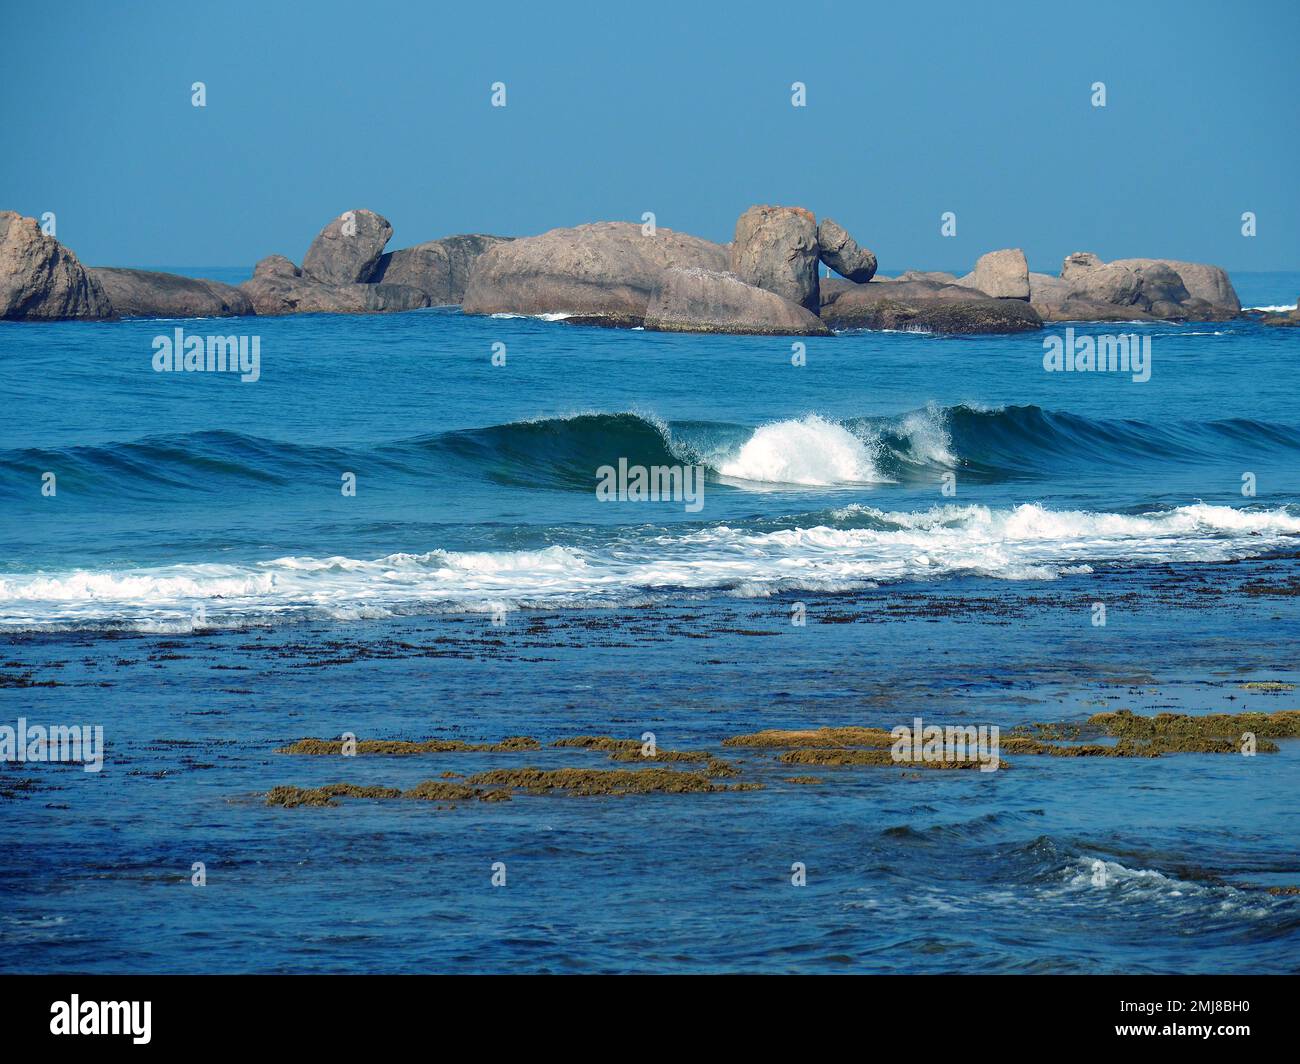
(829, 747)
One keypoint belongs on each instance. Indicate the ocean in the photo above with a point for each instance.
(391, 534)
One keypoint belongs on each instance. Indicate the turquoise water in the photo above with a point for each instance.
(200, 586)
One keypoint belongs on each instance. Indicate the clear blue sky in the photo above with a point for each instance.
(678, 108)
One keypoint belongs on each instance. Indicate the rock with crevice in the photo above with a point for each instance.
(776, 249)
(274, 294)
(439, 268)
(348, 249)
(695, 300)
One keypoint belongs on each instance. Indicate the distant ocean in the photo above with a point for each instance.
(200, 584)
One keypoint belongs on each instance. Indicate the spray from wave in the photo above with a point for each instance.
(809, 452)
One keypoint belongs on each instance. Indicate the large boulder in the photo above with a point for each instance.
(925, 306)
(604, 271)
(1000, 274)
(1056, 299)
(348, 249)
(689, 299)
(776, 249)
(439, 268)
(146, 294)
(1105, 283)
(276, 266)
(1161, 291)
(843, 254)
(40, 279)
(1164, 289)
(274, 293)
(1202, 281)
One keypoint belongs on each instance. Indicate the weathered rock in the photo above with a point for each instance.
(148, 294)
(843, 254)
(605, 270)
(276, 266)
(923, 275)
(1159, 283)
(1159, 288)
(439, 268)
(40, 279)
(273, 294)
(926, 307)
(1077, 263)
(1000, 274)
(776, 249)
(1105, 283)
(1202, 281)
(1057, 299)
(347, 250)
(689, 299)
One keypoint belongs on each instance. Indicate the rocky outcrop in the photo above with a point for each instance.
(843, 254)
(1000, 274)
(924, 306)
(1161, 289)
(40, 279)
(348, 249)
(279, 287)
(147, 294)
(603, 271)
(439, 268)
(1202, 281)
(689, 299)
(1283, 318)
(776, 249)
(1058, 299)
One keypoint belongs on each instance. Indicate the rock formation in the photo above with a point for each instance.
(605, 270)
(147, 294)
(439, 268)
(689, 299)
(776, 249)
(843, 254)
(924, 306)
(348, 249)
(40, 279)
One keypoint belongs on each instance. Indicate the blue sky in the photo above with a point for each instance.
(683, 109)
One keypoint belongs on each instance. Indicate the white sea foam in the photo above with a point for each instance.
(1279, 308)
(811, 451)
(1027, 542)
(927, 436)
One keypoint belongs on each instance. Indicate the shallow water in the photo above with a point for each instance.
(200, 587)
